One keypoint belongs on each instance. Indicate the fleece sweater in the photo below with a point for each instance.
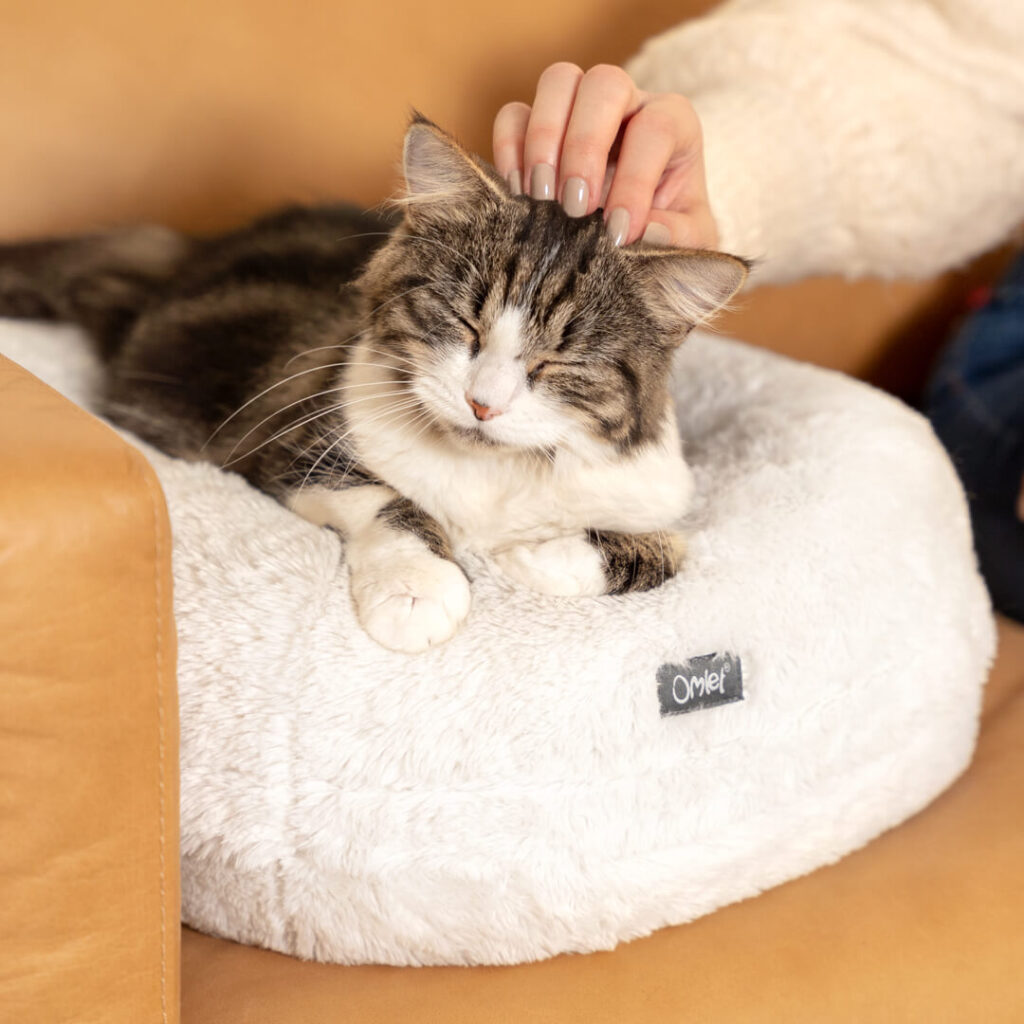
(854, 137)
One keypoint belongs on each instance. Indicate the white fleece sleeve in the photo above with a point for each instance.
(854, 137)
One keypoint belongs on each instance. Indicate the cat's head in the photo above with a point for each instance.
(521, 327)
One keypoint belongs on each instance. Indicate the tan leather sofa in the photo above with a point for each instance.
(198, 115)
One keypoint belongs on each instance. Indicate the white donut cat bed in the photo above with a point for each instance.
(518, 792)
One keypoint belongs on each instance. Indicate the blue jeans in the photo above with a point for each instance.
(975, 401)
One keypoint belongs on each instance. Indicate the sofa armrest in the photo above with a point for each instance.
(89, 878)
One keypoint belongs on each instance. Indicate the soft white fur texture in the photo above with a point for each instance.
(515, 793)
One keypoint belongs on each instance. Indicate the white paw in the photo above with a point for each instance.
(410, 603)
(564, 566)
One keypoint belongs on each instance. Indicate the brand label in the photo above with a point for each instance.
(702, 682)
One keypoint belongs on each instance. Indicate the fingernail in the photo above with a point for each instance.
(542, 181)
(515, 182)
(618, 225)
(657, 234)
(575, 196)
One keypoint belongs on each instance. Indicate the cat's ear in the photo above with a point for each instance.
(686, 287)
(440, 174)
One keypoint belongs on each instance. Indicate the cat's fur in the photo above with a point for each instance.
(490, 374)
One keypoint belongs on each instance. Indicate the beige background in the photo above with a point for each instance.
(200, 114)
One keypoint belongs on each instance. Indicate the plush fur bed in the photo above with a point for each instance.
(568, 773)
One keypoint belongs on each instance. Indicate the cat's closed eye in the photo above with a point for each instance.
(473, 336)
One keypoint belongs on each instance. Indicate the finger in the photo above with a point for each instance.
(661, 152)
(605, 96)
(692, 230)
(549, 116)
(508, 137)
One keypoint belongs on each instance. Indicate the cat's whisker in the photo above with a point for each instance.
(429, 420)
(390, 355)
(312, 397)
(537, 455)
(326, 451)
(549, 451)
(287, 472)
(383, 366)
(362, 234)
(291, 377)
(346, 342)
(266, 391)
(318, 439)
(262, 394)
(334, 444)
(422, 414)
(302, 421)
(433, 241)
(395, 298)
(393, 407)
(307, 418)
(371, 420)
(325, 348)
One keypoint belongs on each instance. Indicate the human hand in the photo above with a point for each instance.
(594, 139)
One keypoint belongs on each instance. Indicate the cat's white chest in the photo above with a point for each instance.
(489, 499)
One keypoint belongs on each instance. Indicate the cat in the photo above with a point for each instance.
(480, 372)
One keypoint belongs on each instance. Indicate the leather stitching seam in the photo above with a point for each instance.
(161, 740)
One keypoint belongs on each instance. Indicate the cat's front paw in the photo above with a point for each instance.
(411, 604)
(563, 566)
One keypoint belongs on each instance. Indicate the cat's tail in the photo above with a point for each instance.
(101, 282)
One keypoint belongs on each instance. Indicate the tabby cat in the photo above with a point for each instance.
(486, 374)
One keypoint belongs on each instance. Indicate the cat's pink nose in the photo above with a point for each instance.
(480, 411)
